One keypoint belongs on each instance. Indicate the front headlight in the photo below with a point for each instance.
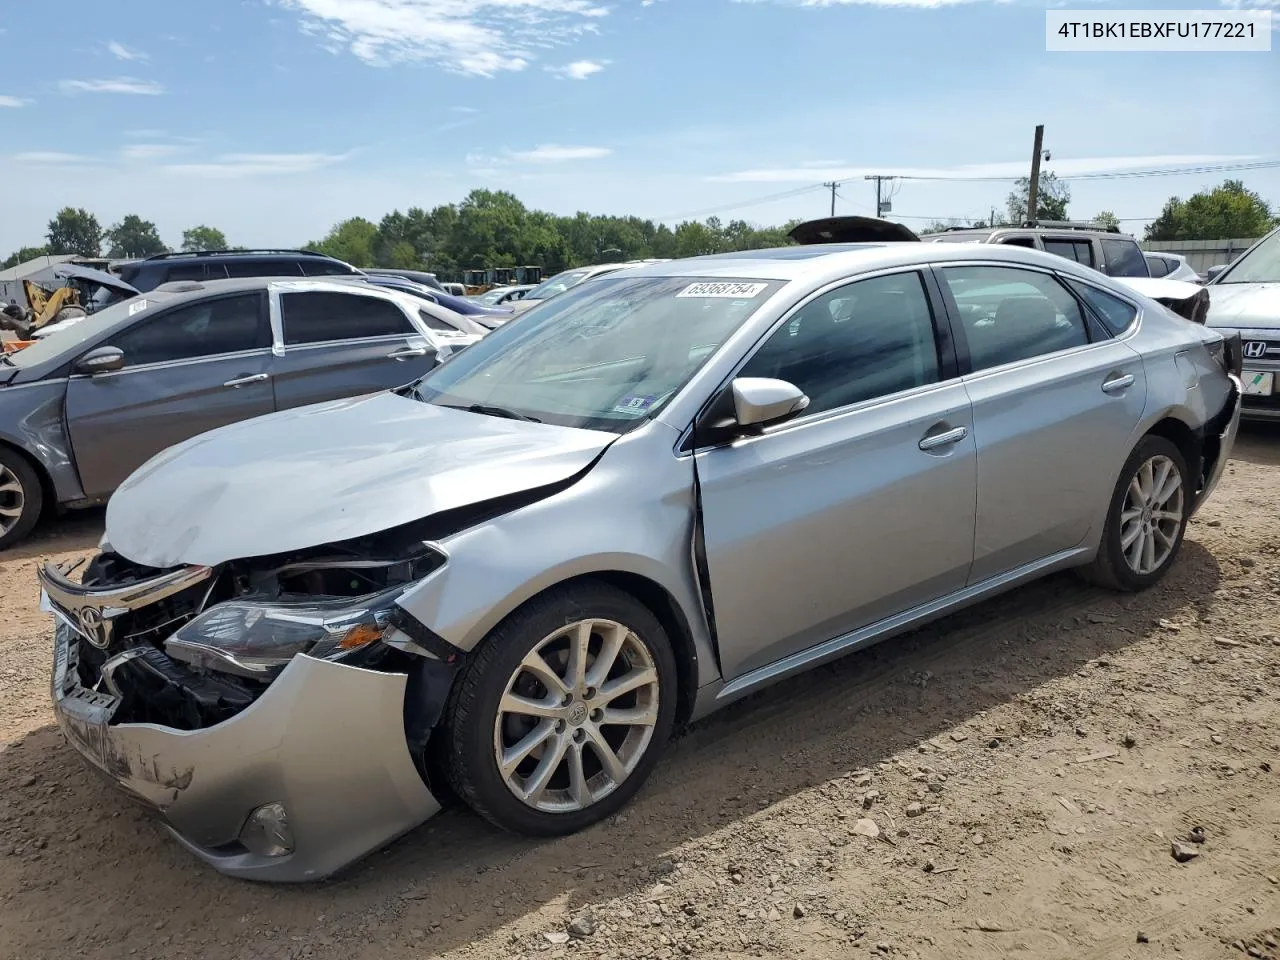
(257, 639)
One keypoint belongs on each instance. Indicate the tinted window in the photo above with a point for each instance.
(1081, 251)
(1018, 241)
(1124, 258)
(1115, 314)
(435, 323)
(203, 329)
(1159, 266)
(184, 271)
(263, 268)
(866, 340)
(324, 268)
(322, 316)
(1010, 314)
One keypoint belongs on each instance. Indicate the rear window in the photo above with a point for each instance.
(1124, 258)
(322, 317)
(1116, 315)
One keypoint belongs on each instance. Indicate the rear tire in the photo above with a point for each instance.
(542, 744)
(21, 497)
(1146, 519)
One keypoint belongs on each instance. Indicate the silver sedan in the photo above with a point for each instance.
(511, 580)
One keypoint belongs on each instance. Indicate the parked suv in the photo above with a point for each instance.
(1103, 248)
(83, 409)
(223, 264)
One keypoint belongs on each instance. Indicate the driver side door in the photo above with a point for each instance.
(187, 370)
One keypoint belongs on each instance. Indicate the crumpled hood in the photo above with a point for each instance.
(329, 472)
(1250, 306)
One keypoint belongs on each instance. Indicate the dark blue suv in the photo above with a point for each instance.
(148, 274)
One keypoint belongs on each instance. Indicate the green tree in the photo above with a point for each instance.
(203, 238)
(134, 237)
(75, 231)
(1107, 219)
(1228, 211)
(351, 240)
(22, 255)
(1052, 197)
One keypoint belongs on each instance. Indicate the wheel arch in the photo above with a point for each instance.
(47, 489)
(1188, 440)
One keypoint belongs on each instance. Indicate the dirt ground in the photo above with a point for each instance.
(1027, 766)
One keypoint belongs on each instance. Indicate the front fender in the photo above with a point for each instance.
(632, 513)
(31, 420)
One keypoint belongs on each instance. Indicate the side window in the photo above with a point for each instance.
(321, 317)
(1124, 258)
(263, 268)
(1010, 314)
(1116, 315)
(435, 323)
(323, 268)
(1019, 241)
(184, 271)
(203, 329)
(1158, 266)
(865, 340)
(1081, 251)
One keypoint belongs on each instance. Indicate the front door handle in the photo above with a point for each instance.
(1116, 384)
(934, 440)
(406, 352)
(241, 381)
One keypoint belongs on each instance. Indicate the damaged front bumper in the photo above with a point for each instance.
(322, 751)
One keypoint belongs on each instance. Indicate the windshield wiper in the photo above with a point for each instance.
(491, 411)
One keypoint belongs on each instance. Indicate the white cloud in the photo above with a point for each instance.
(551, 153)
(44, 157)
(116, 85)
(474, 37)
(121, 52)
(579, 69)
(149, 151)
(233, 166)
(807, 173)
(12, 101)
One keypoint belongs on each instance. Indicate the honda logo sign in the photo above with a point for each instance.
(1255, 349)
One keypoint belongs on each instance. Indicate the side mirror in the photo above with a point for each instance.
(759, 400)
(101, 360)
(1213, 272)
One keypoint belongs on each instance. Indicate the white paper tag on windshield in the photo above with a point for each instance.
(137, 307)
(730, 290)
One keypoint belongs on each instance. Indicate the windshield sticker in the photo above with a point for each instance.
(728, 291)
(636, 404)
(137, 307)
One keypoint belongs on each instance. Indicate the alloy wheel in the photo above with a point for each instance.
(13, 499)
(1152, 515)
(576, 716)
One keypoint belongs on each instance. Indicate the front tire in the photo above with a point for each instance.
(1146, 519)
(21, 497)
(562, 713)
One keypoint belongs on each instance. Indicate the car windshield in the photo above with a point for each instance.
(54, 346)
(604, 356)
(493, 296)
(557, 284)
(1260, 265)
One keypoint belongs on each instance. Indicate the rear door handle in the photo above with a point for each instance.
(241, 381)
(934, 440)
(1116, 384)
(406, 352)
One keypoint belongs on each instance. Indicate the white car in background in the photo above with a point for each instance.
(1171, 266)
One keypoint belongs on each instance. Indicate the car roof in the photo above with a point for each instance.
(817, 263)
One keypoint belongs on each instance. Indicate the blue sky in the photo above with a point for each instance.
(272, 119)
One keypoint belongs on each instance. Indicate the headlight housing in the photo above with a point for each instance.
(257, 639)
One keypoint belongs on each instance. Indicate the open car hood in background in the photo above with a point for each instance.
(90, 275)
(850, 230)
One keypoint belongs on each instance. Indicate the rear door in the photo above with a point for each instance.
(187, 370)
(1056, 401)
(339, 344)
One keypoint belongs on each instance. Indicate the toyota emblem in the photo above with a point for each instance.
(1255, 349)
(92, 626)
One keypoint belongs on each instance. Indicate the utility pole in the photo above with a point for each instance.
(1034, 193)
(833, 184)
(877, 177)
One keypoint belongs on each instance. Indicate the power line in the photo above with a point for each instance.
(709, 211)
(1110, 175)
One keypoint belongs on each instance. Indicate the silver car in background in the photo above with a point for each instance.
(511, 580)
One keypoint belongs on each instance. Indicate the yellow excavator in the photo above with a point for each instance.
(79, 289)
